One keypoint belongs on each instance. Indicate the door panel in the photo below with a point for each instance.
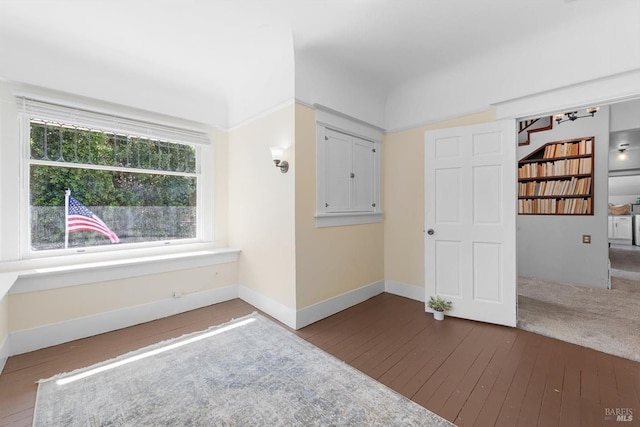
(338, 166)
(487, 183)
(363, 175)
(448, 279)
(487, 280)
(470, 204)
(448, 193)
(447, 148)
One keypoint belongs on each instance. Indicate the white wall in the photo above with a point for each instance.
(550, 246)
(629, 165)
(9, 176)
(36, 62)
(602, 39)
(625, 115)
(270, 73)
(624, 189)
(321, 81)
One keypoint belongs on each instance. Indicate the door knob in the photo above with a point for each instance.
(430, 232)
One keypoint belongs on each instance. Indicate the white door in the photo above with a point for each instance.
(470, 220)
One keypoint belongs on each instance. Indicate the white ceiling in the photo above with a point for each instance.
(215, 49)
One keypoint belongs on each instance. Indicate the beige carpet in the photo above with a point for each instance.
(625, 258)
(602, 319)
(625, 267)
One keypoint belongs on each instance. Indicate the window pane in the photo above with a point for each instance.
(65, 143)
(137, 207)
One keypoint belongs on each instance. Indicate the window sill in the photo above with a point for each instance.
(347, 218)
(23, 276)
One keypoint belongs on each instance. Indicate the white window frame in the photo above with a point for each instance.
(114, 121)
(335, 121)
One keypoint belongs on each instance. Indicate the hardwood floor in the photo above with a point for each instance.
(468, 372)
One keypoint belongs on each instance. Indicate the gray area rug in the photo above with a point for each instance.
(249, 372)
(606, 320)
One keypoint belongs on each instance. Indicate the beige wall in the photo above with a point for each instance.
(261, 206)
(403, 199)
(270, 217)
(333, 260)
(34, 309)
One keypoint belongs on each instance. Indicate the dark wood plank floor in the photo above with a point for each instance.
(468, 372)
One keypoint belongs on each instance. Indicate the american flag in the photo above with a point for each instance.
(80, 218)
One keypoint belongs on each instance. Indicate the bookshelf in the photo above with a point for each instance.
(557, 179)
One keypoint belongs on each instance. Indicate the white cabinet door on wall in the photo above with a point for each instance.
(348, 175)
(622, 228)
(362, 177)
(338, 169)
(610, 227)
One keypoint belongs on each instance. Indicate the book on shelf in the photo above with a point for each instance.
(557, 168)
(565, 187)
(568, 149)
(555, 206)
(557, 179)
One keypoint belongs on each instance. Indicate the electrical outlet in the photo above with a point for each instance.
(586, 238)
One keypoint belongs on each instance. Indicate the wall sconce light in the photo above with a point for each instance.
(573, 115)
(622, 155)
(276, 155)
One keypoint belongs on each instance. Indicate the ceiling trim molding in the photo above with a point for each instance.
(599, 91)
(333, 112)
(261, 115)
(441, 121)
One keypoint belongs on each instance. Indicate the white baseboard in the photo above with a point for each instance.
(23, 341)
(57, 333)
(273, 308)
(4, 353)
(326, 308)
(404, 290)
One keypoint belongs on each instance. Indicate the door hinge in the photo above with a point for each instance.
(373, 150)
(352, 175)
(326, 205)
(373, 205)
(326, 138)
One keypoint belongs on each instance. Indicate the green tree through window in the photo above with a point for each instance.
(145, 190)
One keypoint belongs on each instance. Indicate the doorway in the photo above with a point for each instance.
(557, 240)
(624, 202)
(550, 303)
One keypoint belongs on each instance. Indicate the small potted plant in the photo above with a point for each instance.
(439, 306)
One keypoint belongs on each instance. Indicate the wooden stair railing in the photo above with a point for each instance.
(525, 125)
